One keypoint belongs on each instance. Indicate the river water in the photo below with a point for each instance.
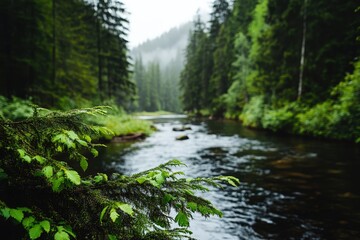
(291, 187)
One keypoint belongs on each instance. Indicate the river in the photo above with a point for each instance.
(291, 187)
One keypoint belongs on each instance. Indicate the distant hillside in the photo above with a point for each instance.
(166, 47)
(157, 67)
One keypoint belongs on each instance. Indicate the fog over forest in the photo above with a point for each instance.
(164, 48)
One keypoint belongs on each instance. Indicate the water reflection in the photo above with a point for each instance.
(291, 188)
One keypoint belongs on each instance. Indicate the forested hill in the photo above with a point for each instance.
(165, 47)
(280, 65)
(157, 66)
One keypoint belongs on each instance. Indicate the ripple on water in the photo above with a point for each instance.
(277, 181)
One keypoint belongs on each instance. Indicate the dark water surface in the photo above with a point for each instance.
(291, 188)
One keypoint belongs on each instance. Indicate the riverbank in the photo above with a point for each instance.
(124, 127)
(337, 117)
(121, 125)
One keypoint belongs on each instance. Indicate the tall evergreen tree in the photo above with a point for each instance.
(193, 79)
(49, 50)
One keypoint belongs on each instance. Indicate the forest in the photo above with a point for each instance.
(67, 78)
(285, 66)
(64, 54)
(156, 71)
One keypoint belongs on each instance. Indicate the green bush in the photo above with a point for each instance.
(16, 108)
(317, 121)
(339, 117)
(253, 112)
(280, 119)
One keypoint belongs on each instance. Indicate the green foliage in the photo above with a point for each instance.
(64, 54)
(27, 218)
(257, 27)
(39, 156)
(337, 118)
(253, 112)
(196, 74)
(123, 124)
(257, 53)
(16, 108)
(280, 119)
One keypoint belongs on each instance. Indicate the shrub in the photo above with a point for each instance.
(16, 108)
(253, 112)
(279, 119)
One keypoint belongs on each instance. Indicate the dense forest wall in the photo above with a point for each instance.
(64, 53)
(280, 65)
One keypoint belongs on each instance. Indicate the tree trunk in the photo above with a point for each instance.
(54, 41)
(302, 58)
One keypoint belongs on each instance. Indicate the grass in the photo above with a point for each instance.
(124, 124)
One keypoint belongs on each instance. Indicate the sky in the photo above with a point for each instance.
(150, 18)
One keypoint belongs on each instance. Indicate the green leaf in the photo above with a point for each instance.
(56, 184)
(182, 219)
(72, 135)
(126, 208)
(27, 159)
(101, 177)
(105, 131)
(159, 178)
(167, 198)
(84, 164)
(192, 206)
(17, 214)
(103, 213)
(28, 222)
(35, 232)
(82, 143)
(233, 181)
(59, 149)
(218, 212)
(141, 180)
(48, 171)
(175, 162)
(70, 144)
(154, 183)
(73, 176)
(61, 236)
(113, 215)
(98, 179)
(5, 212)
(87, 138)
(59, 138)
(21, 152)
(40, 159)
(69, 231)
(45, 225)
(112, 237)
(94, 152)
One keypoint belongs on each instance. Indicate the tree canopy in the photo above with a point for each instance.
(270, 60)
